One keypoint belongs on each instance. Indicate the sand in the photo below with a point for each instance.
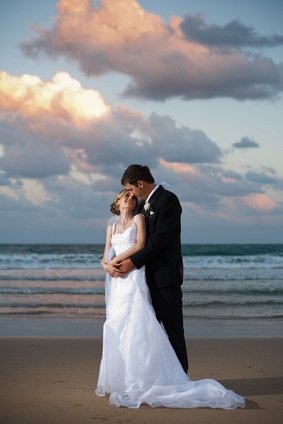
(52, 380)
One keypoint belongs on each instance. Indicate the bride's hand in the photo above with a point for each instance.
(115, 262)
(105, 265)
(114, 271)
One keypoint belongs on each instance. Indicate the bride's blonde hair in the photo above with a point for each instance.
(114, 207)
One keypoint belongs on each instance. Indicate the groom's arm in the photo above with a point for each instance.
(167, 225)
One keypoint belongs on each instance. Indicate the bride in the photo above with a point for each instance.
(138, 363)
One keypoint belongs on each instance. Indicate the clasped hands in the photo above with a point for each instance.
(119, 268)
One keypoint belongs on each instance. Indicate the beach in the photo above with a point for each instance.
(51, 318)
(52, 380)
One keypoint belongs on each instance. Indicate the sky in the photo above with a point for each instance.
(191, 88)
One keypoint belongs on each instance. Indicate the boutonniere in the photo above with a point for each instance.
(146, 206)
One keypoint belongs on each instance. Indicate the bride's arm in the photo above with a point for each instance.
(104, 262)
(140, 241)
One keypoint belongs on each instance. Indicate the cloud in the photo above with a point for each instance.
(260, 201)
(35, 192)
(18, 194)
(70, 171)
(71, 210)
(28, 153)
(38, 145)
(233, 34)
(7, 192)
(62, 97)
(212, 193)
(245, 143)
(161, 61)
(181, 144)
(265, 176)
(47, 158)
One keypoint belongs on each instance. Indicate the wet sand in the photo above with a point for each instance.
(52, 380)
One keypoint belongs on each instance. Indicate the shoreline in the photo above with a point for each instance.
(53, 380)
(22, 326)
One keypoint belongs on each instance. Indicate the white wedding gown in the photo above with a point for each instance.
(138, 362)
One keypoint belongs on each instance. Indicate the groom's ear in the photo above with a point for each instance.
(140, 183)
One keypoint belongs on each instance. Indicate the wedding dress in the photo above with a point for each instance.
(138, 363)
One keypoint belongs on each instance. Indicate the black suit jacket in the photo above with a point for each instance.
(162, 252)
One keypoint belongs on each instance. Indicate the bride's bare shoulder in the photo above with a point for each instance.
(139, 218)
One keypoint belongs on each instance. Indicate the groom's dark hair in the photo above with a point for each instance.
(134, 173)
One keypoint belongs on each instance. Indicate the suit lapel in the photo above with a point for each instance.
(155, 195)
(152, 200)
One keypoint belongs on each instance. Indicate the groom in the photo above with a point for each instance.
(162, 253)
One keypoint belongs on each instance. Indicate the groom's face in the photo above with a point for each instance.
(138, 190)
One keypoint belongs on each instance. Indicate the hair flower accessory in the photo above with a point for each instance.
(146, 206)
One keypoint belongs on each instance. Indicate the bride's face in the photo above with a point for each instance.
(128, 201)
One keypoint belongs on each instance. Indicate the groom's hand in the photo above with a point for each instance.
(120, 269)
(126, 266)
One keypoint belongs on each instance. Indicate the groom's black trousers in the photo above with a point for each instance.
(167, 303)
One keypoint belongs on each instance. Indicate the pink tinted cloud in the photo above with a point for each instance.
(90, 132)
(62, 97)
(260, 201)
(180, 168)
(121, 36)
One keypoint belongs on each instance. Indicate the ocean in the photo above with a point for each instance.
(222, 282)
